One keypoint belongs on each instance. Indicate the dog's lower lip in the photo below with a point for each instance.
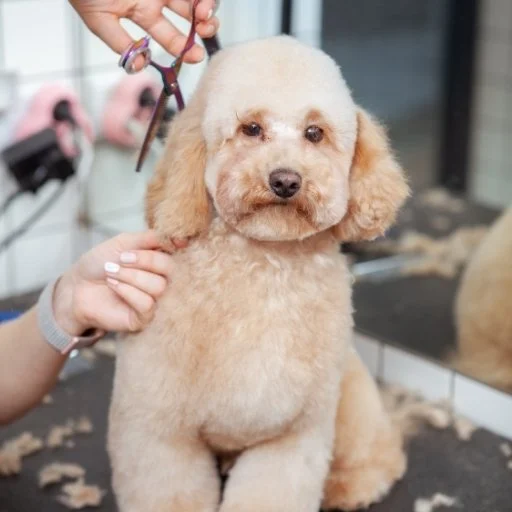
(282, 201)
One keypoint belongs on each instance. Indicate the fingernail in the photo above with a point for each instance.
(111, 267)
(112, 282)
(210, 29)
(128, 257)
(210, 14)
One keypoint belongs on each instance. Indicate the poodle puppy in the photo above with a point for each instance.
(482, 309)
(249, 359)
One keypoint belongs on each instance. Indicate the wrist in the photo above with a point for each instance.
(65, 309)
(59, 322)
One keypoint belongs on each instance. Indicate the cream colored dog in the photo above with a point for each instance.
(249, 357)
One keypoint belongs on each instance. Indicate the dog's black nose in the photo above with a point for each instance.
(285, 183)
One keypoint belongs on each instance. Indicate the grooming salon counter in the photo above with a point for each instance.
(474, 472)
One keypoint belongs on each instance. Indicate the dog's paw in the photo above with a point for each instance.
(358, 488)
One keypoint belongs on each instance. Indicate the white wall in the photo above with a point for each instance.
(491, 167)
(44, 41)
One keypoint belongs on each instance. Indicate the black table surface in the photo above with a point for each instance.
(474, 472)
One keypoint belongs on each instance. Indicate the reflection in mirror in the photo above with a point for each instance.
(483, 309)
(437, 285)
(440, 283)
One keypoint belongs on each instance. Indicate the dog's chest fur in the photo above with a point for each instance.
(242, 341)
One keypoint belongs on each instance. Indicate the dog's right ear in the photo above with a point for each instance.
(378, 186)
(177, 202)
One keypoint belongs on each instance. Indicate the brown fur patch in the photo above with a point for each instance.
(253, 116)
(315, 117)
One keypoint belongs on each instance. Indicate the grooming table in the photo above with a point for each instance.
(475, 472)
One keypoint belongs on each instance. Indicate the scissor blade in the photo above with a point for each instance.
(154, 124)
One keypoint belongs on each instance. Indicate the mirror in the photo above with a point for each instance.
(440, 283)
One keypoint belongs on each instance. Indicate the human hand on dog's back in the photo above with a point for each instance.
(102, 17)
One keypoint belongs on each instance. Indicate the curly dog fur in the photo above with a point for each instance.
(249, 357)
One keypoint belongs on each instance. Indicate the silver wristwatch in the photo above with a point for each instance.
(53, 334)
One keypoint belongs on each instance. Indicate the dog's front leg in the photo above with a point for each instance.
(283, 475)
(280, 476)
(153, 475)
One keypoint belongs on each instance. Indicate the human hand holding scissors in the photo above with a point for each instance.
(103, 17)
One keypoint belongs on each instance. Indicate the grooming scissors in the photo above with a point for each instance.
(169, 77)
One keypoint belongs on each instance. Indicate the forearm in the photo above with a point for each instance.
(29, 366)
(120, 297)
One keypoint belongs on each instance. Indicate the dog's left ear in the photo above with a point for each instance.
(377, 185)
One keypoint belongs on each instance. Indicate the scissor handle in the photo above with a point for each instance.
(140, 47)
(169, 77)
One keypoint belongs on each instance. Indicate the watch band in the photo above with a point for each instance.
(54, 335)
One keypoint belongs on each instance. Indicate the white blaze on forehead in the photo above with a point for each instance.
(282, 129)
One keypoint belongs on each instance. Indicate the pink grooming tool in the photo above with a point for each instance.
(124, 105)
(40, 115)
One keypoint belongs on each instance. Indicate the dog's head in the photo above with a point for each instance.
(273, 142)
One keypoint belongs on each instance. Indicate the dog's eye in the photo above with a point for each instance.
(314, 134)
(252, 130)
